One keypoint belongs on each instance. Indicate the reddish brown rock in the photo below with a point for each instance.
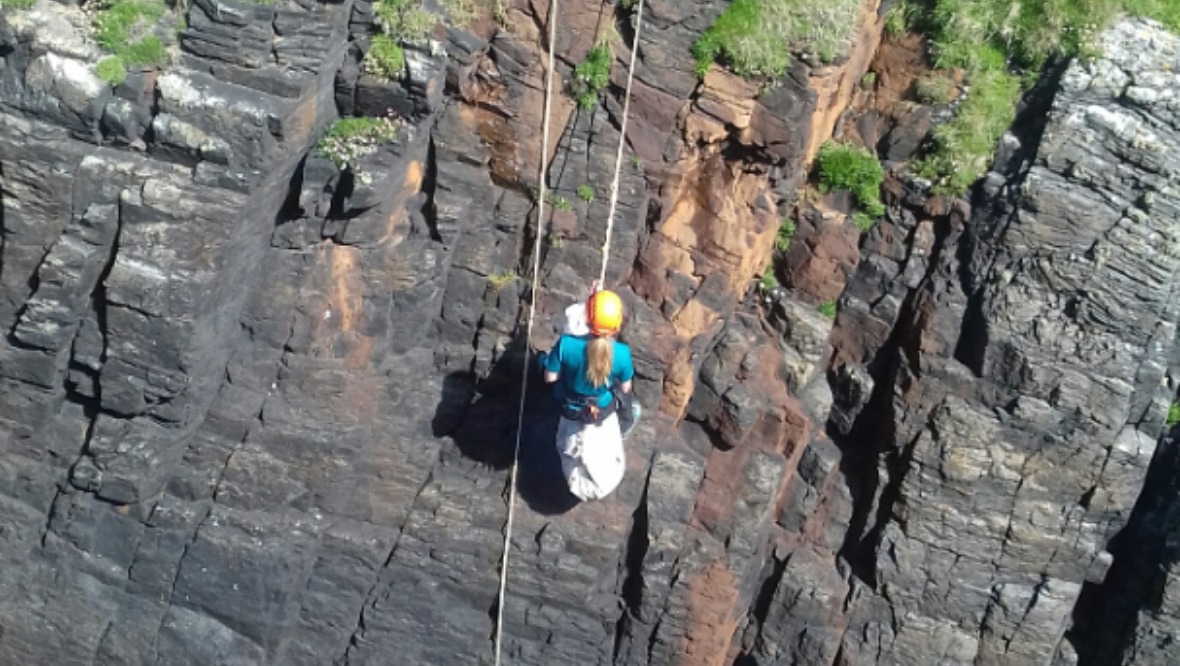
(835, 86)
(822, 255)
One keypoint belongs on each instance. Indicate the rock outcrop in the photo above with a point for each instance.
(256, 409)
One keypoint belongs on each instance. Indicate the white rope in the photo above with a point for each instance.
(542, 192)
(524, 379)
(614, 188)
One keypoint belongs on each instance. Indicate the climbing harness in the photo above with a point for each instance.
(541, 180)
(588, 410)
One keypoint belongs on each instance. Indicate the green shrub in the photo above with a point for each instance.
(560, 203)
(845, 167)
(934, 88)
(111, 69)
(767, 280)
(591, 76)
(782, 240)
(868, 79)
(756, 37)
(586, 193)
(1173, 415)
(827, 309)
(349, 139)
(385, 59)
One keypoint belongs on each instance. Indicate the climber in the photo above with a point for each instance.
(591, 372)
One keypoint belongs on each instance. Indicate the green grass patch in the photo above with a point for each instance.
(147, 51)
(963, 146)
(586, 193)
(1173, 415)
(460, 12)
(124, 29)
(349, 139)
(862, 221)
(1003, 46)
(111, 69)
(934, 88)
(786, 231)
(1164, 11)
(827, 309)
(17, 4)
(757, 37)
(498, 281)
(901, 18)
(845, 167)
(591, 76)
(560, 203)
(385, 59)
(403, 20)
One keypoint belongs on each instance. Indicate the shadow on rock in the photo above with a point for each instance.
(480, 416)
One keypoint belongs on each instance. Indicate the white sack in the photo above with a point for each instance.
(592, 458)
(575, 320)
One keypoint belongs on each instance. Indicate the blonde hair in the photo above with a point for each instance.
(598, 361)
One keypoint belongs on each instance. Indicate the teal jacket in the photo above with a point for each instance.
(568, 360)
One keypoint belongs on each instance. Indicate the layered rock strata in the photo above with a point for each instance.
(258, 410)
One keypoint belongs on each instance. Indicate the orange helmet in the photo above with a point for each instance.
(604, 313)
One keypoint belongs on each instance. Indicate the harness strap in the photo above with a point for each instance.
(588, 410)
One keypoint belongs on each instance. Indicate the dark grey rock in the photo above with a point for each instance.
(257, 410)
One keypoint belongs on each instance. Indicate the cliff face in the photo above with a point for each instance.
(257, 410)
(1027, 388)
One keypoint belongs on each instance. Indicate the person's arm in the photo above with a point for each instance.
(552, 363)
(626, 369)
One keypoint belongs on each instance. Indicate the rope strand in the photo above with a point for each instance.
(524, 379)
(614, 188)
